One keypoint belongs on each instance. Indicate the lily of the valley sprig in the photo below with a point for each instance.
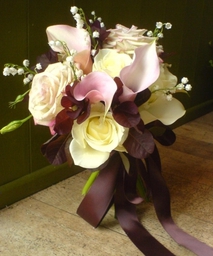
(97, 89)
(158, 31)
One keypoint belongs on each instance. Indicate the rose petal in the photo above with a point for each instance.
(111, 62)
(142, 72)
(46, 92)
(96, 86)
(161, 109)
(87, 157)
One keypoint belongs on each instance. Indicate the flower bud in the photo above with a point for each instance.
(26, 63)
(11, 126)
(74, 10)
(14, 125)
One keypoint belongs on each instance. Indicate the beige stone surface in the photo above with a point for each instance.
(46, 223)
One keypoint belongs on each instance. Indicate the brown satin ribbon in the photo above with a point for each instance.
(127, 218)
(98, 200)
(114, 185)
(161, 201)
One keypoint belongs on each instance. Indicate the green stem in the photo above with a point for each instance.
(88, 28)
(89, 182)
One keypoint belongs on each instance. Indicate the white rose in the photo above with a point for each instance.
(125, 39)
(46, 92)
(96, 137)
(111, 62)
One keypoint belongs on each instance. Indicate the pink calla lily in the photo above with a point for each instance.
(75, 39)
(96, 86)
(84, 60)
(143, 71)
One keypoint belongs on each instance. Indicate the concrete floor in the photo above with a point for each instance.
(46, 223)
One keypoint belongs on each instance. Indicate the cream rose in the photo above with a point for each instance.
(111, 62)
(125, 39)
(46, 92)
(96, 137)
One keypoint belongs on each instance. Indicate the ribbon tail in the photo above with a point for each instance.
(99, 198)
(161, 200)
(127, 217)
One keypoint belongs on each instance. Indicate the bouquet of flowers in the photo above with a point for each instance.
(106, 95)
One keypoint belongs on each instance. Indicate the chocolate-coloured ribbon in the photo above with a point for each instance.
(127, 218)
(115, 185)
(161, 201)
(98, 200)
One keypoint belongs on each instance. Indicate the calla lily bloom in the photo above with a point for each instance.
(75, 39)
(143, 71)
(158, 107)
(163, 110)
(96, 86)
